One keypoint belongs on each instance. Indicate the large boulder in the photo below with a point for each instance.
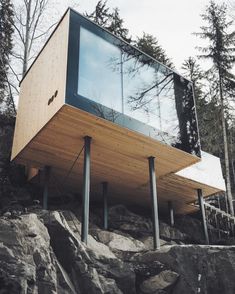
(91, 269)
(120, 218)
(156, 284)
(169, 233)
(140, 227)
(192, 227)
(207, 268)
(27, 262)
(117, 241)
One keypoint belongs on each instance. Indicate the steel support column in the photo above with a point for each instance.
(47, 171)
(105, 205)
(217, 225)
(233, 226)
(203, 215)
(153, 190)
(171, 213)
(86, 189)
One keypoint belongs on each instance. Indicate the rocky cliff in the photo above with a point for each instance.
(41, 252)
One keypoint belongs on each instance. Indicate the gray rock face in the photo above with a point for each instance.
(159, 282)
(192, 228)
(208, 268)
(90, 272)
(124, 220)
(119, 242)
(43, 253)
(172, 234)
(27, 263)
(140, 227)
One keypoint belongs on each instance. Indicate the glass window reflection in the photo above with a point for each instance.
(149, 93)
(125, 86)
(99, 71)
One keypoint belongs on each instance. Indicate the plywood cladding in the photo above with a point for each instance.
(47, 77)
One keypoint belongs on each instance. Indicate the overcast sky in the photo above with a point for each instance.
(171, 21)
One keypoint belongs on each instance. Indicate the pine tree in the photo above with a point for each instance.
(116, 26)
(6, 31)
(207, 109)
(149, 44)
(110, 20)
(221, 52)
(101, 15)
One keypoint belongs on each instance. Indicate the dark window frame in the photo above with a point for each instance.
(74, 99)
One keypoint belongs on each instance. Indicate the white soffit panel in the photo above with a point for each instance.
(208, 171)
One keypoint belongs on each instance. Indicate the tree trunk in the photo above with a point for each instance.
(26, 43)
(232, 159)
(226, 153)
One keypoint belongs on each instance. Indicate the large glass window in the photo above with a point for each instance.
(99, 71)
(115, 78)
(149, 92)
(121, 79)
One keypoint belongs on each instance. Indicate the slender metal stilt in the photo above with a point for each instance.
(203, 215)
(217, 225)
(47, 171)
(86, 189)
(105, 205)
(171, 213)
(153, 189)
(233, 226)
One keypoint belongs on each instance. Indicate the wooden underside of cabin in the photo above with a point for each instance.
(118, 156)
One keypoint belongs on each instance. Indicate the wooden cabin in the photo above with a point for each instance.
(137, 115)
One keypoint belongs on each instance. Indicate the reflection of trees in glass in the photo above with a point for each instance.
(105, 112)
(148, 90)
(188, 136)
(142, 100)
(135, 64)
(121, 79)
(162, 88)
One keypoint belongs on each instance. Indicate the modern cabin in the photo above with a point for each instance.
(95, 107)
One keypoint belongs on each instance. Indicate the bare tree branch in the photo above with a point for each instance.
(46, 32)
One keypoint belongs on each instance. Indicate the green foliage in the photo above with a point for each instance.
(221, 48)
(149, 44)
(208, 110)
(220, 51)
(110, 20)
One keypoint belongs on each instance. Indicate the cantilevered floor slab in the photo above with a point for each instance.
(118, 156)
(206, 174)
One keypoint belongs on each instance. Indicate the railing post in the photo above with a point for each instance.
(203, 215)
(105, 205)
(86, 189)
(47, 172)
(153, 190)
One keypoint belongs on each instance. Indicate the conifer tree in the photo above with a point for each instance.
(207, 108)
(149, 44)
(110, 20)
(221, 52)
(6, 31)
